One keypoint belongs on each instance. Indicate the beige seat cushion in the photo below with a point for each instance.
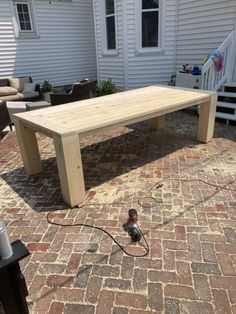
(19, 82)
(28, 95)
(7, 90)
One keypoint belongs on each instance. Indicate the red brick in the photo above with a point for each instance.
(225, 248)
(70, 295)
(140, 280)
(127, 268)
(232, 296)
(37, 284)
(193, 242)
(180, 233)
(208, 252)
(223, 282)
(44, 257)
(73, 264)
(184, 273)
(162, 276)
(226, 264)
(137, 301)
(194, 307)
(202, 289)
(38, 247)
(155, 296)
(106, 245)
(105, 304)
(155, 248)
(169, 260)
(59, 281)
(212, 238)
(56, 308)
(188, 256)
(179, 291)
(93, 289)
(174, 245)
(221, 301)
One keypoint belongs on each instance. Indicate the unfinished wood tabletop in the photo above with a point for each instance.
(98, 113)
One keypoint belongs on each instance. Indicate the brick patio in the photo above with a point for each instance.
(190, 226)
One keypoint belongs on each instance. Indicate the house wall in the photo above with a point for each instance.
(129, 68)
(151, 68)
(63, 53)
(202, 26)
(110, 66)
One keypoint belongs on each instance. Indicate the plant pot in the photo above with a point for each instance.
(46, 96)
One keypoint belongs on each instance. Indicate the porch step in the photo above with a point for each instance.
(226, 116)
(230, 84)
(226, 105)
(227, 94)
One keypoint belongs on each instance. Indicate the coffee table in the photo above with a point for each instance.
(66, 124)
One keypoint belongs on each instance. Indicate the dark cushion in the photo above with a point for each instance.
(4, 82)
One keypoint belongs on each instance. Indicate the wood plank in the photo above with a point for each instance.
(29, 148)
(70, 168)
(157, 122)
(206, 121)
(102, 112)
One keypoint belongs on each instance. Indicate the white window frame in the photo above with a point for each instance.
(106, 51)
(24, 34)
(138, 38)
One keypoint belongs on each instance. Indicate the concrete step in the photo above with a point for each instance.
(226, 105)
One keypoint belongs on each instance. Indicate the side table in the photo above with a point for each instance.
(13, 290)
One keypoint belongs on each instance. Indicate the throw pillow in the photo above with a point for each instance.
(18, 82)
(29, 88)
(7, 90)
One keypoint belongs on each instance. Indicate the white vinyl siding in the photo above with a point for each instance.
(64, 51)
(130, 68)
(109, 65)
(202, 26)
(156, 67)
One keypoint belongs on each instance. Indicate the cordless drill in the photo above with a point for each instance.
(132, 226)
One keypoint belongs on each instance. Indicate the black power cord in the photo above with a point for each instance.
(139, 201)
(146, 246)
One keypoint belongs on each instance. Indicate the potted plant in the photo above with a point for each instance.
(105, 88)
(46, 90)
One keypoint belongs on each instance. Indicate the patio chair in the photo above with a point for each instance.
(80, 90)
(4, 116)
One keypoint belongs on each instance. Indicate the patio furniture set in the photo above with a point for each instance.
(21, 94)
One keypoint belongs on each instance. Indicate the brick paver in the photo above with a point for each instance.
(190, 226)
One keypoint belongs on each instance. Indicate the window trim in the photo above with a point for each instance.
(30, 16)
(140, 50)
(106, 51)
(24, 34)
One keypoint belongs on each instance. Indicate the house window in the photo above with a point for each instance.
(150, 28)
(110, 24)
(24, 17)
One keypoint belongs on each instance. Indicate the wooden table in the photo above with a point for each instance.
(66, 124)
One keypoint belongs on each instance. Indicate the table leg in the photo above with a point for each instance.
(28, 147)
(70, 168)
(207, 119)
(157, 122)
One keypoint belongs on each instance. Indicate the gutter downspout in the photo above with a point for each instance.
(176, 35)
(95, 38)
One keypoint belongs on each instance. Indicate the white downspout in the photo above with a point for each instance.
(176, 35)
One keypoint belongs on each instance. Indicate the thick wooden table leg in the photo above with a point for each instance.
(70, 168)
(207, 119)
(28, 147)
(157, 123)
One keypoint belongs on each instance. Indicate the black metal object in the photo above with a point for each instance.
(13, 289)
(132, 226)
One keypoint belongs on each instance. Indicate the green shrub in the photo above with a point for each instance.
(46, 87)
(105, 88)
